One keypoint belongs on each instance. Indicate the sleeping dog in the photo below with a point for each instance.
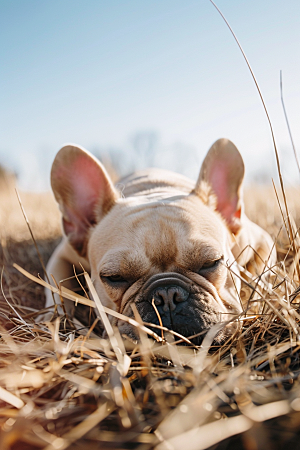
(163, 241)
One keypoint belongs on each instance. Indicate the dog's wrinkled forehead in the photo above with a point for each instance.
(158, 232)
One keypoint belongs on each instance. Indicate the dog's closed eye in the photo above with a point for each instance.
(211, 265)
(114, 280)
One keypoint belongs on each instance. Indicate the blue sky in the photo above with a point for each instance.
(96, 72)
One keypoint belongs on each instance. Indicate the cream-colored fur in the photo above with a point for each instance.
(161, 238)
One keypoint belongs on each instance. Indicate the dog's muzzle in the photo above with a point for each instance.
(176, 301)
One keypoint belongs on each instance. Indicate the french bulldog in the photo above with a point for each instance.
(158, 240)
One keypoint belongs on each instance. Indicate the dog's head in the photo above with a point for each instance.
(167, 255)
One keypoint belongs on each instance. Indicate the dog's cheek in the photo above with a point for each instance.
(107, 300)
(219, 277)
(230, 292)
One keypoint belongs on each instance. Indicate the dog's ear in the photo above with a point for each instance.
(221, 176)
(84, 192)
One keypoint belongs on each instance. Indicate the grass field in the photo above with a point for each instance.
(62, 388)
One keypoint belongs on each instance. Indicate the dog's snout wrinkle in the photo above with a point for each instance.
(166, 279)
(169, 296)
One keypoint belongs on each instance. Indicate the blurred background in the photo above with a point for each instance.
(146, 83)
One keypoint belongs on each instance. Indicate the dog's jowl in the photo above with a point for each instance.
(165, 242)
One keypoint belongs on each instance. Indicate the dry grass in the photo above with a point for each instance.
(41, 210)
(63, 388)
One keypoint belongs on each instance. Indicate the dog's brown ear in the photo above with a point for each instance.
(84, 192)
(222, 174)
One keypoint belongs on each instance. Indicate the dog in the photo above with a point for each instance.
(160, 241)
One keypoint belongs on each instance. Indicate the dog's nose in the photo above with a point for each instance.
(169, 296)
